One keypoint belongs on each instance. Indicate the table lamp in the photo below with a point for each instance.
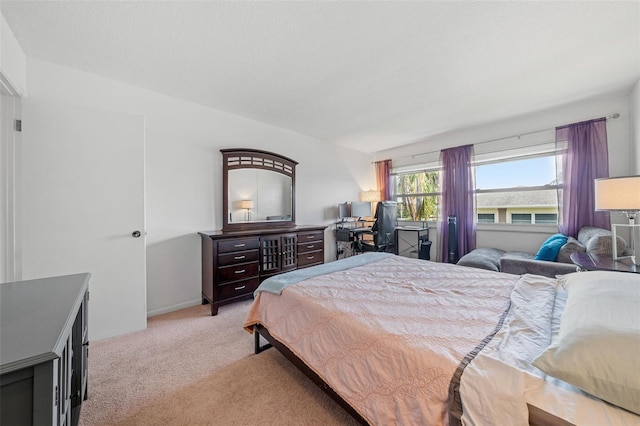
(371, 195)
(247, 205)
(621, 194)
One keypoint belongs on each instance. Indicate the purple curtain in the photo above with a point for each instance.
(457, 184)
(583, 157)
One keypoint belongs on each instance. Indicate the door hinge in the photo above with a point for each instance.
(57, 397)
(18, 125)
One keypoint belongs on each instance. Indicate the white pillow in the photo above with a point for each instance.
(598, 346)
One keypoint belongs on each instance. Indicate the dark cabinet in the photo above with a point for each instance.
(277, 254)
(235, 263)
(45, 381)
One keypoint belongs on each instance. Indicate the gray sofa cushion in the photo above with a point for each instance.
(483, 258)
(520, 255)
(571, 246)
(599, 241)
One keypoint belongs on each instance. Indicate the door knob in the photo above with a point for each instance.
(136, 234)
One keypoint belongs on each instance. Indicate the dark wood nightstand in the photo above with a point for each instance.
(601, 262)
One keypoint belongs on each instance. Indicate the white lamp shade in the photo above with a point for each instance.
(618, 193)
(371, 195)
(246, 204)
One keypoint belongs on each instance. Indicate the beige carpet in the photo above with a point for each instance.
(188, 368)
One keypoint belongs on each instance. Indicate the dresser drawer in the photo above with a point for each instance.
(237, 288)
(238, 244)
(238, 272)
(310, 246)
(308, 259)
(306, 237)
(238, 257)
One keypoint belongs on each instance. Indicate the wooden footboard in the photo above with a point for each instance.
(260, 330)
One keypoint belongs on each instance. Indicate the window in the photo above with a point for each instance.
(520, 217)
(417, 195)
(518, 189)
(516, 172)
(547, 218)
(538, 218)
(486, 218)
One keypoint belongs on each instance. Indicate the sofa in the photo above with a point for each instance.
(590, 239)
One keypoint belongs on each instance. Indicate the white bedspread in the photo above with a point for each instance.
(500, 381)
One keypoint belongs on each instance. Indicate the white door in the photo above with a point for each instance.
(82, 196)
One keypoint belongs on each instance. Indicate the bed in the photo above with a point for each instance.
(406, 341)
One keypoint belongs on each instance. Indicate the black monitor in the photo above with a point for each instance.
(361, 209)
(344, 211)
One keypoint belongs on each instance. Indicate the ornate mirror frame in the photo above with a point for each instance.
(239, 159)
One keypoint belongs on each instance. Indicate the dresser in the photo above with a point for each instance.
(234, 263)
(43, 350)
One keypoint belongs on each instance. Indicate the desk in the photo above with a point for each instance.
(601, 262)
(419, 236)
(347, 233)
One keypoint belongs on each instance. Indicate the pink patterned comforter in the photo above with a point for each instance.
(388, 336)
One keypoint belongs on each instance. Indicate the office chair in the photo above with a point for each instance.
(383, 229)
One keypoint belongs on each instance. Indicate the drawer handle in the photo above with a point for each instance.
(240, 271)
(240, 245)
(311, 236)
(239, 257)
(311, 246)
(309, 257)
(240, 288)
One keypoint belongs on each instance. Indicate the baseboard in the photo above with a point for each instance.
(172, 308)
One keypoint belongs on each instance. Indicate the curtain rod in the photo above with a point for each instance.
(519, 135)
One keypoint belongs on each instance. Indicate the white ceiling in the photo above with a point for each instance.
(368, 75)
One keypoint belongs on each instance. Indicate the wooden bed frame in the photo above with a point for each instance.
(537, 416)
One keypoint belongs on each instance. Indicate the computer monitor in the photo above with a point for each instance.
(344, 211)
(361, 209)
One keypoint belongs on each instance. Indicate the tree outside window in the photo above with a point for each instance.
(417, 195)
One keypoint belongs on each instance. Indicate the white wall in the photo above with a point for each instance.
(183, 172)
(523, 237)
(12, 59)
(617, 132)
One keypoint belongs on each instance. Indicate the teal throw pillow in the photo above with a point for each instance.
(551, 247)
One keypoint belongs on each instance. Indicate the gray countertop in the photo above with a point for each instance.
(36, 316)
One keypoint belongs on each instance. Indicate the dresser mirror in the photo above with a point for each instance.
(258, 189)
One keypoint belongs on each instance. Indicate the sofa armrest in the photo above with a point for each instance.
(519, 266)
